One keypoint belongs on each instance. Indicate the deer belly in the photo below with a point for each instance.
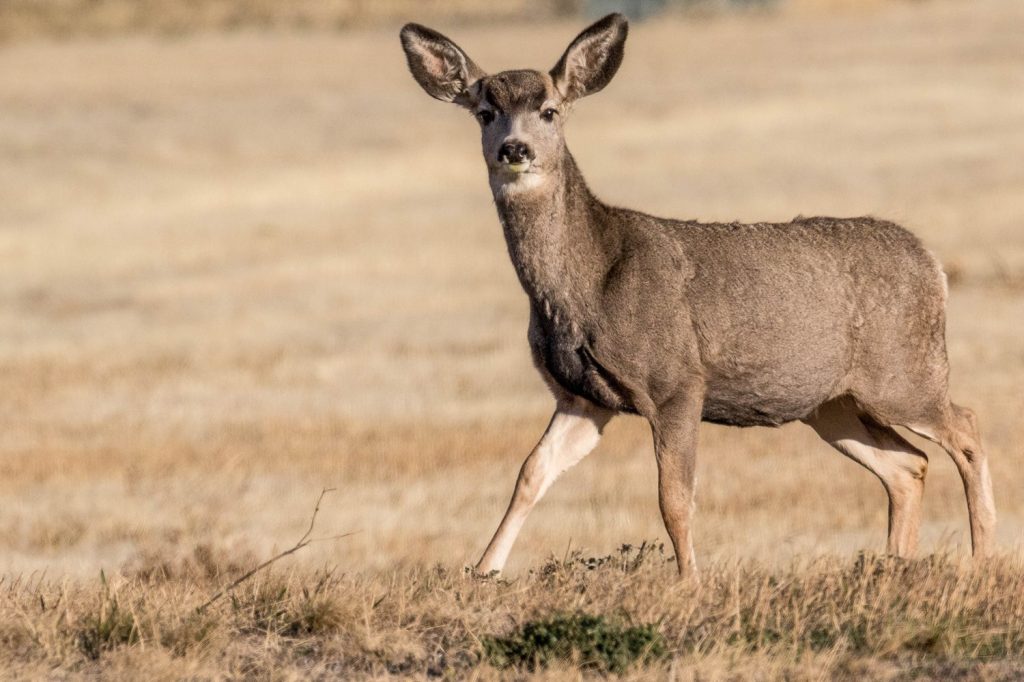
(748, 404)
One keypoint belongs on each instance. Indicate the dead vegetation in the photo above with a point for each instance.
(866, 616)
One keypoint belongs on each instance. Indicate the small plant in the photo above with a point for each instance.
(590, 642)
(628, 559)
(109, 627)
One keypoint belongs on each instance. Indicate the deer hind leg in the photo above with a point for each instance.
(574, 431)
(898, 465)
(957, 433)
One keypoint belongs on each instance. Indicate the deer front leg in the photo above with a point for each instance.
(675, 429)
(574, 431)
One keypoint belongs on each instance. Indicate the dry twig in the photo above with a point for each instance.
(303, 541)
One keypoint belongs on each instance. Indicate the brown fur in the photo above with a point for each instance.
(836, 322)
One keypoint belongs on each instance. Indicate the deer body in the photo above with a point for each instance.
(839, 323)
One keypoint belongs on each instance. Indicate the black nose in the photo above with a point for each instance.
(514, 151)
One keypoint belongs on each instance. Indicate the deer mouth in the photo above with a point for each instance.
(516, 168)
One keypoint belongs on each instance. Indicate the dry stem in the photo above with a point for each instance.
(303, 541)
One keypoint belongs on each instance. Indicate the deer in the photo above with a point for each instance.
(838, 323)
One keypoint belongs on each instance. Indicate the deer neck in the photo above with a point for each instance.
(555, 237)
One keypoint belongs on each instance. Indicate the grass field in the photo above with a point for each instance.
(240, 268)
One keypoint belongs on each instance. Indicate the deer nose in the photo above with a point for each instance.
(515, 151)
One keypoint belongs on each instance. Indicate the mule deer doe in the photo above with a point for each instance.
(836, 322)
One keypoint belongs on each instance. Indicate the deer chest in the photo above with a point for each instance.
(563, 350)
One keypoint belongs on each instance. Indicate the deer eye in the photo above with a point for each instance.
(484, 116)
(548, 114)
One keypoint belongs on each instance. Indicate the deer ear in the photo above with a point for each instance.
(592, 58)
(439, 65)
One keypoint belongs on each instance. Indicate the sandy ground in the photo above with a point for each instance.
(237, 269)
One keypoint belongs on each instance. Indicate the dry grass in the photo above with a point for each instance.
(238, 269)
(864, 617)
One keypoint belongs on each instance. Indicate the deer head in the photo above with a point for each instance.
(522, 112)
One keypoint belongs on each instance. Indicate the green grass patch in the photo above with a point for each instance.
(587, 641)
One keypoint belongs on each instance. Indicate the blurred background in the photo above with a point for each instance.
(24, 18)
(244, 258)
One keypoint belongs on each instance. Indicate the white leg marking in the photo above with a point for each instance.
(574, 431)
